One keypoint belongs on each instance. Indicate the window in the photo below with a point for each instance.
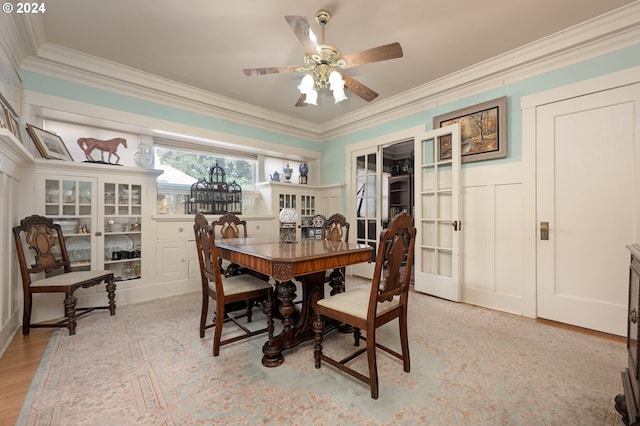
(183, 167)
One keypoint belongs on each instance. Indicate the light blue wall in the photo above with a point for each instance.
(65, 89)
(333, 151)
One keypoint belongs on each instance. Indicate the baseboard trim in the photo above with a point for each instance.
(8, 331)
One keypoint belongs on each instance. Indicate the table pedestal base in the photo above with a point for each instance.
(297, 327)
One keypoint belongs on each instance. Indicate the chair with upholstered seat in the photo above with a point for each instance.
(336, 228)
(368, 310)
(38, 237)
(231, 226)
(227, 290)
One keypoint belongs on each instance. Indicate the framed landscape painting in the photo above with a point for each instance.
(483, 131)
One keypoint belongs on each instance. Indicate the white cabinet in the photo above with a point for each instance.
(172, 260)
(177, 259)
(259, 226)
(13, 159)
(307, 200)
(103, 211)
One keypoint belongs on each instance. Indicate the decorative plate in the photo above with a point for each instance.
(288, 216)
(119, 242)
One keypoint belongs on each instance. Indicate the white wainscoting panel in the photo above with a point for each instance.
(493, 237)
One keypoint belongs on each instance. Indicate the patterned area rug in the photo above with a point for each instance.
(469, 365)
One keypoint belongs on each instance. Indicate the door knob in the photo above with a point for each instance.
(544, 230)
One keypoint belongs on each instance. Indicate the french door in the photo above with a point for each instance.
(366, 181)
(437, 212)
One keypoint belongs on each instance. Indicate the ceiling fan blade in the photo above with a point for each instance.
(301, 99)
(357, 88)
(300, 27)
(375, 54)
(270, 70)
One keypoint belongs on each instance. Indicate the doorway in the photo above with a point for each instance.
(588, 197)
(370, 170)
(410, 174)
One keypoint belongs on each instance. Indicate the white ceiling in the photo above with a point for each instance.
(206, 43)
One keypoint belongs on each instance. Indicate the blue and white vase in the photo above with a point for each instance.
(288, 171)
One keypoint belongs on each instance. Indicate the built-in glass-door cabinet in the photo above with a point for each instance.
(101, 222)
(122, 226)
(306, 208)
(69, 203)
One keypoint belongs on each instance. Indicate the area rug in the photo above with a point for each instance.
(147, 366)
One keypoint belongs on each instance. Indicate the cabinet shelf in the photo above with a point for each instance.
(112, 262)
(118, 279)
(122, 233)
(400, 194)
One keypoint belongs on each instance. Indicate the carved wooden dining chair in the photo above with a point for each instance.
(336, 228)
(368, 310)
(229, 226)
(39, 238)
(227, 290)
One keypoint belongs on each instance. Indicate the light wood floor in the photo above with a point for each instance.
(17, 368)
(20, 362)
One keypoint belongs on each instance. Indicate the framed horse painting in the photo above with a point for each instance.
(49, 144)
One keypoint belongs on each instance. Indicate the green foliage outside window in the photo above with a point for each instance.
(197, 165)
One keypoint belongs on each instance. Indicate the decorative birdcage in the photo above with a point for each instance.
(215, 196)
(217, 176)
(234, 198)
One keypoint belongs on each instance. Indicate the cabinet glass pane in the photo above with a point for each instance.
(122, 230)
(68, 203)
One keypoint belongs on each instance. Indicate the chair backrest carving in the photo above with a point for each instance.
(206, 248)
(336, 228)
(395, 247)
(230, 226)
(45, 241)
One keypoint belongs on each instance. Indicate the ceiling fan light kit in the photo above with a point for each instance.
(322, 62)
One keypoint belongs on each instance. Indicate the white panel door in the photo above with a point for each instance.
(437, 212)
(588, 194)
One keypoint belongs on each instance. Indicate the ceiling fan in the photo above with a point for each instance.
(322, 62)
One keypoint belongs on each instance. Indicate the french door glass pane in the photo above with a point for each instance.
(366, 199)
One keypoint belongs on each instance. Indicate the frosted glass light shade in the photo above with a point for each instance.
(336, 84)
(306, 87)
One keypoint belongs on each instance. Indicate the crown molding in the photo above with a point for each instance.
(604, 34)
(59, 62)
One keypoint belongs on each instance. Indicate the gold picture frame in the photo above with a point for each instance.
(49, 144)
(5, 118)
(15, 126)
(483, 131)
(10, 82)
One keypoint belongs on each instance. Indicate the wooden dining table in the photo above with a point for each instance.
(305, 261)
